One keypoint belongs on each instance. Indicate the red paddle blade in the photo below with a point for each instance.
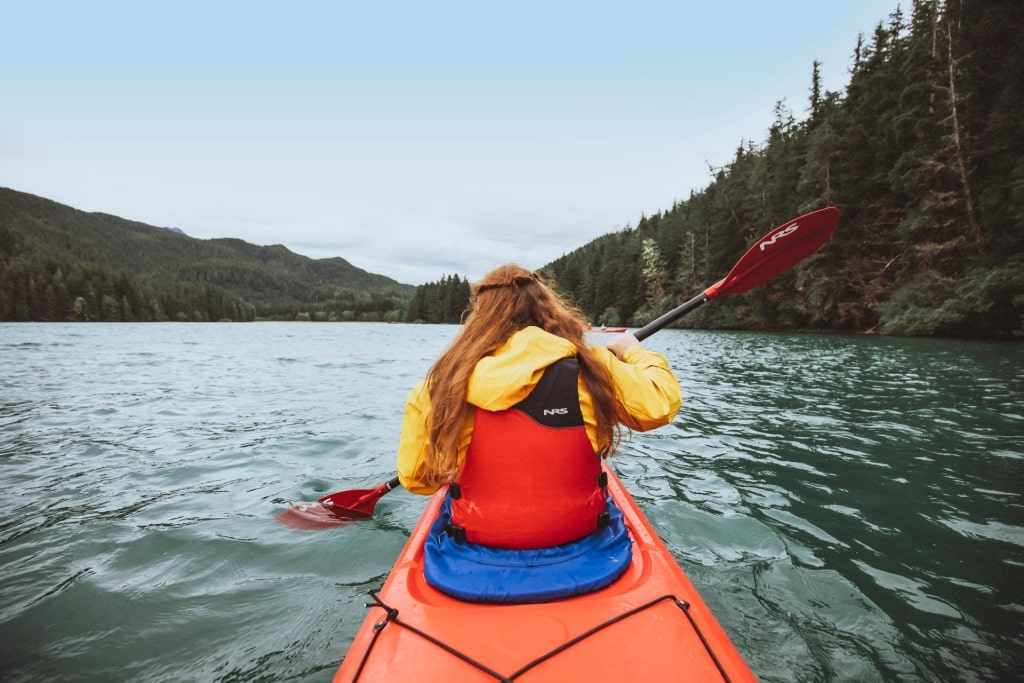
(778, 251)
(315, 515)
(357, 501)
(336, 509)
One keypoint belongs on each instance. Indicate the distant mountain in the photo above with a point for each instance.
(59, 263)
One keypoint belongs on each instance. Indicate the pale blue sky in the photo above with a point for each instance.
(413, 139)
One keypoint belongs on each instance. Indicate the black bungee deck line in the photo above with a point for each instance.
(391, 616)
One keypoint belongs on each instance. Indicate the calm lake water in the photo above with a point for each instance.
(851, 508)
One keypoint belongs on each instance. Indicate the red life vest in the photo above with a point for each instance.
(531, 478)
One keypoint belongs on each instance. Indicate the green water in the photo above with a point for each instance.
(850, 508)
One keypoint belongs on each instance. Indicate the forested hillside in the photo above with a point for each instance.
(59, 263)
(924, 155)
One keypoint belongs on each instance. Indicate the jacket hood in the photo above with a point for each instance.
(507, 376)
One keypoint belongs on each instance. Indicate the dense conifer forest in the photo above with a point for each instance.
(924, 155)
(443, 301)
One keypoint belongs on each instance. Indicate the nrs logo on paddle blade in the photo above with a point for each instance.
(788, 230)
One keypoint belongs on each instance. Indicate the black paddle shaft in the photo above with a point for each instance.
(668, 318)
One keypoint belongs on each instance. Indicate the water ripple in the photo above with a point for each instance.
(850, 508)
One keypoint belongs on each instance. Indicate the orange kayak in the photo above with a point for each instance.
(649, 625)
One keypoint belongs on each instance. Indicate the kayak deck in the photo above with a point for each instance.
(650, 624)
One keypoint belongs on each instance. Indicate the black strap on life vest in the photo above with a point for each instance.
(455, 491)
(458, 533)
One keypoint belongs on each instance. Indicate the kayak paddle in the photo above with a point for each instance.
(775, 253)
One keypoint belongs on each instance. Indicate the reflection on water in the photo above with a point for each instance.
(851, 508)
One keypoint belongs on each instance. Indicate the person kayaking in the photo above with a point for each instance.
(514, 417)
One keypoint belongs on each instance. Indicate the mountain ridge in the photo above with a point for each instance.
(40, 237)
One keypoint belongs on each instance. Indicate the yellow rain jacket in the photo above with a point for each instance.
(647, 387)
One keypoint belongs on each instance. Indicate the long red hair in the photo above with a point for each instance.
(506, 300)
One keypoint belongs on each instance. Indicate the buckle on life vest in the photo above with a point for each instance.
(455, 491)
(602, 479)
(457, 533)
(603, 519)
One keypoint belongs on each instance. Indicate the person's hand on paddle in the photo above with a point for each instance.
(620, 343)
